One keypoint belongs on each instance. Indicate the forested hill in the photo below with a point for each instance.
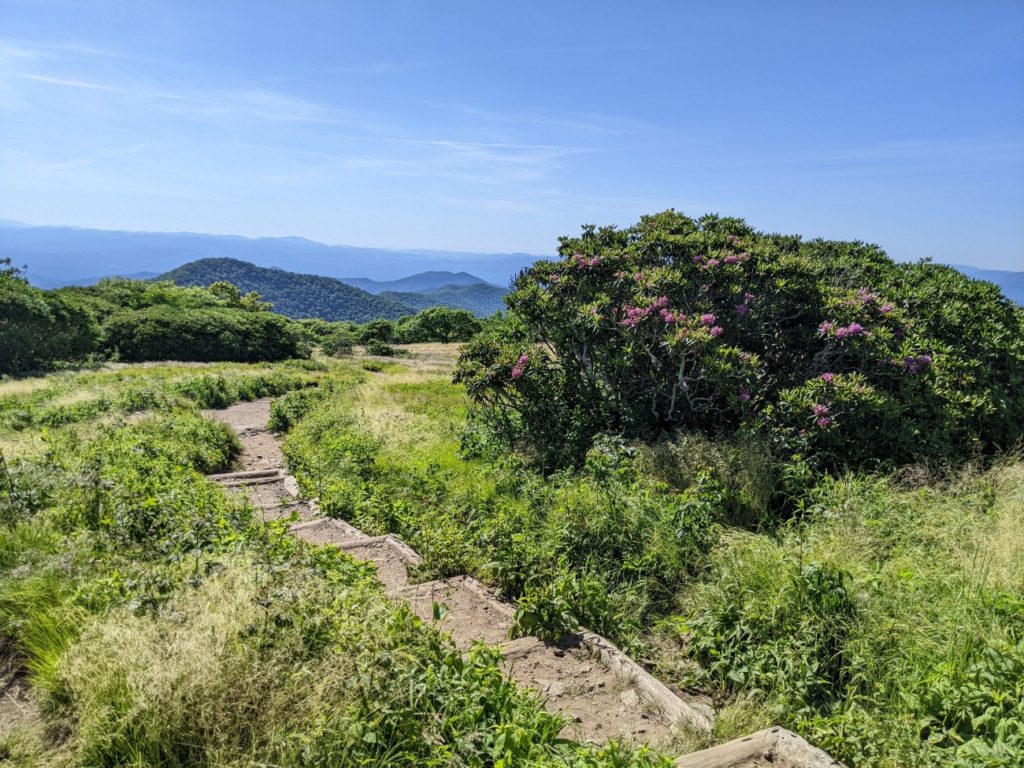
(481, 299)
(300, 295)
(292, 294)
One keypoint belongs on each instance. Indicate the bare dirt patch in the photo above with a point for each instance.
(470, 615)
(599, 703)
(327, 531)
(391, 563)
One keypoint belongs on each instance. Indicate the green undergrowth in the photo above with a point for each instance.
(72, 398)
(161, 623)
(882, 617)
(606, 549)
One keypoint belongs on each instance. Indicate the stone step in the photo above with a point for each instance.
(392, 557)
(327, 530)
(773, 746)
(602, 698)
(471, 613)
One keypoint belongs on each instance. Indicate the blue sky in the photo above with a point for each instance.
(498, 127)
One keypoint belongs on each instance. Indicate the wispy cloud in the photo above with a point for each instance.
(91, 159)
(252, 103)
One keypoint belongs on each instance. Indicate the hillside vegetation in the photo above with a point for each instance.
(309, 296)
(292, 294)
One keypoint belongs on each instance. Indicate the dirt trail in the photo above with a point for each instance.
(600, 690)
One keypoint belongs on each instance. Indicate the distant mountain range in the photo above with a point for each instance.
(1011, 283)
(58, 256)
(423, 281)
(62, 255)
(303, 295)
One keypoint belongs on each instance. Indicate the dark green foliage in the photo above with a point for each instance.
(170, 333)
(377, 330)
(789, 641)
(379, 348)
(480, 299)
(38, 329)
(292, 294)
(339, 343)
(827, 349)
(441, 324)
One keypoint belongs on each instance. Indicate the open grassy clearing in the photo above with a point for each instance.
(884, 620)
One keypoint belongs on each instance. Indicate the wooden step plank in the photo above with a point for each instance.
(246, 474)
(773, 746)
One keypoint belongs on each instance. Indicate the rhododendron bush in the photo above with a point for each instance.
(826, 349)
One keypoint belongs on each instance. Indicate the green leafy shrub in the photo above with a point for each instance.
(39, 329)
(826, 349)
(166, 333)
(379, 348)
(339, 343)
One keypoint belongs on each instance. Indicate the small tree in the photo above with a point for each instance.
(446, 325)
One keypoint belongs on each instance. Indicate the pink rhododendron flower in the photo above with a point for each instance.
(520, 367)
(823, 421)
(707, 319)
(828, 378)
(716, 331)
(732, 258)
(744, 395)
(885, 309)
(820, 409)
(742, 309)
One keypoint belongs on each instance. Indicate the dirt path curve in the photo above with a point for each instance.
(602, 692)
(260, 449)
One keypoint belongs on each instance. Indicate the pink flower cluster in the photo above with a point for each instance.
(744, 308)
(582, 262)
(885, 309)
(821, 413)
(744, 395)
(830, 328)
(634, 315)
(917, 364)
(520, 367)
(710, 263)
(828, 377)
